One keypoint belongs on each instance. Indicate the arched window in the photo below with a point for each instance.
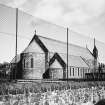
(78, 71)
(24, 63)
(70, 71)
(32, 62)
(83, 72)
(73, 71)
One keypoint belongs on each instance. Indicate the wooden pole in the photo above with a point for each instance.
(16, 41)
(67, 53)
(94, 61)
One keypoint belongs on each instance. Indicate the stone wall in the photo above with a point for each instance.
(56, 73)
(35, 72)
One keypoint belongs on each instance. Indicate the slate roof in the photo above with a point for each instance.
(61, 47)
(76, 53)
(75, 61)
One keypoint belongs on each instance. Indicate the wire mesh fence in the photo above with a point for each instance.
(27, 25)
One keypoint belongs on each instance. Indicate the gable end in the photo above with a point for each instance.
(59, 59)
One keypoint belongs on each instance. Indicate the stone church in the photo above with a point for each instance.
(46, 58)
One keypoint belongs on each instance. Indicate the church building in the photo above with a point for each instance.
(46, 58)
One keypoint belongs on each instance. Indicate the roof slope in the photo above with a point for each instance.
(61, 47)
(75, 61)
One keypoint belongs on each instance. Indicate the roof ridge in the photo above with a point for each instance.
(61, 41)
(70, 55)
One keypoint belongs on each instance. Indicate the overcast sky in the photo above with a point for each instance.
(83, 16)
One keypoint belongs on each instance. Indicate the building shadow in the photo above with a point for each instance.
(101, 102)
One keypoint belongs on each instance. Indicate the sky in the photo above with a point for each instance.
(86, 17)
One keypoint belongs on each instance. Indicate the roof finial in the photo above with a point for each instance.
(35, 31)
(94, 41)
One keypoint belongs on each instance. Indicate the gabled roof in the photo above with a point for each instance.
(61, 47)
(59, 59)
(38, 41)
(73, 61)
(54, 46)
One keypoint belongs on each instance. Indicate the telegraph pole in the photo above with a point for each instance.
(94, 58)
(67, 51)
(16, 41)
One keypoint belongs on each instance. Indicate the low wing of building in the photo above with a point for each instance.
(38, 54)
(76, 66)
